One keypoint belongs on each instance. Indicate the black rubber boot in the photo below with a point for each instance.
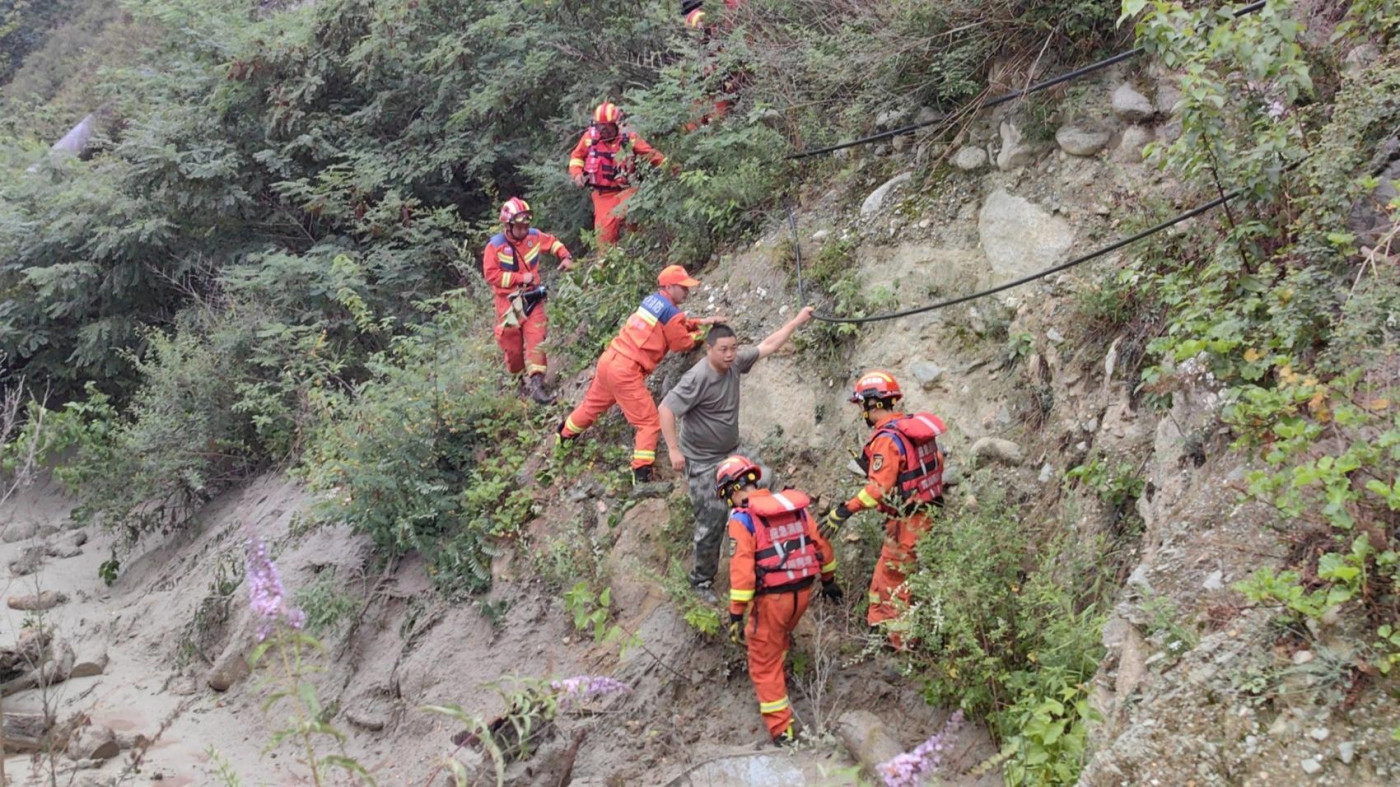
(535, 387)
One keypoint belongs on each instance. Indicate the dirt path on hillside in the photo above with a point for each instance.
(176, 619)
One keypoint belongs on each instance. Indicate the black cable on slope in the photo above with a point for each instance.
(1116, 245)
(1013, 95)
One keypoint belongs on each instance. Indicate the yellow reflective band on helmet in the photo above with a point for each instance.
(774, 706)
(866, 499)
(741, 596)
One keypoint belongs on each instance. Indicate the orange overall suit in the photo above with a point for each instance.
(655, 329)
(777, 553)
(904, 470)
(607, 166)
(512, 267)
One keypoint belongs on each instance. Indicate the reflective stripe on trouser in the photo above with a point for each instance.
(609, 215)
(522, 345)
(619, 380)
(888, 592)
(772, 617)
(712, 513)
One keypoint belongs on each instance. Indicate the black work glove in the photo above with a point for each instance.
(833, 520)
(832, 592)
(736, 628)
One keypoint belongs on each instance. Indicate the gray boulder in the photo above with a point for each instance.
(1130, 105)
(1080, 140)
(876, 201)
(996, 449)
(1015, 152)
(970, 159)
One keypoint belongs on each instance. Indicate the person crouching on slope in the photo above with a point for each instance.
(657, 327)
(776, 554)
(511, 264)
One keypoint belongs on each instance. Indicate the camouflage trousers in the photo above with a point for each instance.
(711, 514)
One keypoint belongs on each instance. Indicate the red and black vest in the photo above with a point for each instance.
(920, 478)
(786, 559)
(608, 162)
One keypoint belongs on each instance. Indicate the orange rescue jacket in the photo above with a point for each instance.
(776, 547)
(513, 265)
(654, 329)
(608, 165)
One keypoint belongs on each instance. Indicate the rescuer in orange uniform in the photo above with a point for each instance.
(604, 160)
(904, 469)
(511, 264)
(657, 327)
(776, 553)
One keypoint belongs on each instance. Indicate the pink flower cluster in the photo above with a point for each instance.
(586, 687)
(908, 769)
(265, 592)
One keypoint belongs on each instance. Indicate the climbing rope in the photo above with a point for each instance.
(1012, 96)
(1112, 247)
(1116, 245)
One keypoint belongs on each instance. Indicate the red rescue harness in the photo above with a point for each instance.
(920, 478)
(602, 166)
(786, 559)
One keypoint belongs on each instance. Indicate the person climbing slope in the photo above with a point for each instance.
(904, 470)
(777, 553)
(511, 265)
(604, 160)
(656, 328)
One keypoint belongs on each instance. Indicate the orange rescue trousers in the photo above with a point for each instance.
(521, 345)
(888, 593)
(619, 380)
(609, 214)
(772, 617)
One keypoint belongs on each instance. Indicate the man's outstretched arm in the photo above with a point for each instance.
(779, 337)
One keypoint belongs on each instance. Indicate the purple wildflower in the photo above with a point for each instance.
(907, 769)
(265, 592)
(586, 687)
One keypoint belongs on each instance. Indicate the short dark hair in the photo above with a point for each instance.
(719, 331)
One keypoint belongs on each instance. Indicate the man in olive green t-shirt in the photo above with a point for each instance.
(706, 400)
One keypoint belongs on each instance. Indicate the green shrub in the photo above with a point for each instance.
(1014, 646)
(425, 456)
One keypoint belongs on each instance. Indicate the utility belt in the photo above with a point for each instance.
(801, 584)
(610, 189)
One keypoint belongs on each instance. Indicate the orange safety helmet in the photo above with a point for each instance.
(607, 112)
(876, 384)
(735, 470)
(695, 20)
(513, 209)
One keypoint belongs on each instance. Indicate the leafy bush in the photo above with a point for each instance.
(1013, 646)
(425, 455)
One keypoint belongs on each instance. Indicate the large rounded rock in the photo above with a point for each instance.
(1081, 140)
(1019, 238)
(1134, 139)
(19, 531)
(1131, 105)
(996, 449)
(970, 158)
